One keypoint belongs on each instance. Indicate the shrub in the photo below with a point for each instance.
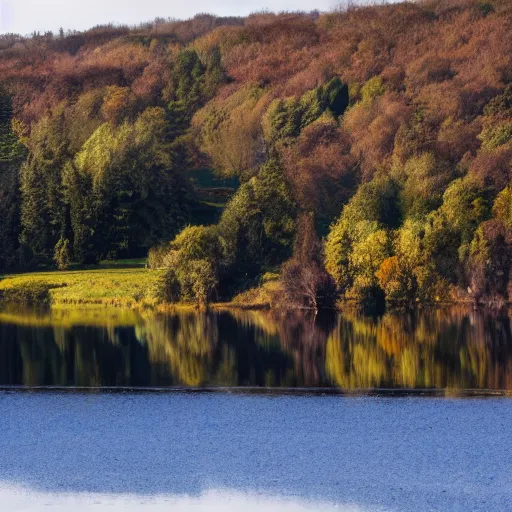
(27, 294)
(156, 256)
(188, 280)
(192, 264)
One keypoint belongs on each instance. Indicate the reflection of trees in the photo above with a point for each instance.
(303, 336)
(353, 358)
(255, 348)
(186, 344)
(453, 348)
(78, 356)
(300, 336)
(41, 363)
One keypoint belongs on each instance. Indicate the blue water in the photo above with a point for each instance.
(405, 454)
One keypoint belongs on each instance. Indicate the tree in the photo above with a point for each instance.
(365, 261)
(257, 227)
(82, 211)
(12, 154)
(358, 242)
(321, 172)
(489, 261)
(306, 283)
(192, 264)
(117, 105)
(133, 198)
(229, 132)
(43, 214)
(502, 208)
(286, 118)
(425, 180)
(372, 89)
(450, 229)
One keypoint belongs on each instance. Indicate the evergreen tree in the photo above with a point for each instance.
(43, 214)
(12, 153)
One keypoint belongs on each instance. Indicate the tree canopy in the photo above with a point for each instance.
(387, 126)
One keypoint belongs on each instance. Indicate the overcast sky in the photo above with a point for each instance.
(25, 16)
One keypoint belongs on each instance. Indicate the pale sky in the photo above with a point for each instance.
(26, 16)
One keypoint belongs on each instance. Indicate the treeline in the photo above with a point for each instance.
(101, 176)
(373, 147)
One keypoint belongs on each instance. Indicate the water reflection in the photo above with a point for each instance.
(22, 499)
(453, 348)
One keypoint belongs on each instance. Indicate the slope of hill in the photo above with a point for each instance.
(372, 145)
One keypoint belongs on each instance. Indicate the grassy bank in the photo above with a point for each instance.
(120, 287)
(112, 286)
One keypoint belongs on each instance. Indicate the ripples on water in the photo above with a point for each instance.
(236, 452)
(454, 348)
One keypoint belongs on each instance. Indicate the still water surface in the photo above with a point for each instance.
(456, 349)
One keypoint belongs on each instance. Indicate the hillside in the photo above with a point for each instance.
(362, 154)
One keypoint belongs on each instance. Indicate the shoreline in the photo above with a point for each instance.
(433, 393)
(133, 288)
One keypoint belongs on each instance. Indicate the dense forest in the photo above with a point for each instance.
(363, 154)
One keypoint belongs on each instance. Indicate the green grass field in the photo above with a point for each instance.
(126, 287)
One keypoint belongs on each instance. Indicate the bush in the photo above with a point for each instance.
(192, 262)
(188, 280)
(156, 256)
(29, 294)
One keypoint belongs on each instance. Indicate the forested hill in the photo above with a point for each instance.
(371, 146)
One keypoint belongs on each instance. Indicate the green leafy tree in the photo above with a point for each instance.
(424, 181)
(409, 276)
(193, 264)
(371, 210)
(285, 118)
(372, 89)
(502, 208)
(365, 260)
(135, 199)
(258, 226)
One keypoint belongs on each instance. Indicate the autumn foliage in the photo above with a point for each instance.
(390, 125)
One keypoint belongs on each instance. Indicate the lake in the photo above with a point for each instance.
(451, 350)
(281, 436)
